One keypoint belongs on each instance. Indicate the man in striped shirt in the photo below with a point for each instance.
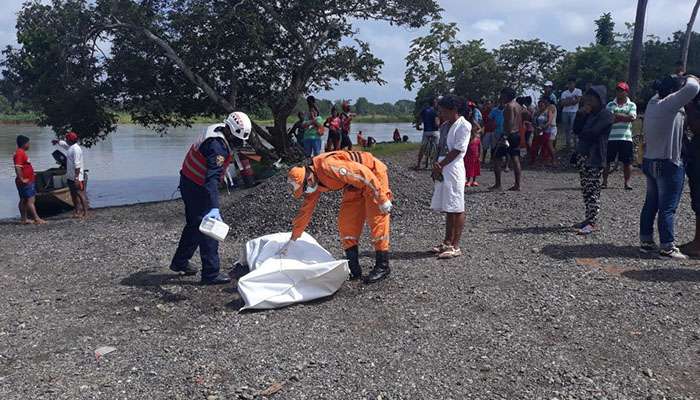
(620, 143)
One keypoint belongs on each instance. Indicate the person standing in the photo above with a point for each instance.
(312, 134)
(570, 99)
(591, 153)
(550, 133)
(366, 200)
(75, 173)
(508, 144)
(548, 92)
(430, 122)
(664, 129)
(202, 171)
(345, 123)
(25, 183)
(620, 143)
(333, 125)
(449, 175)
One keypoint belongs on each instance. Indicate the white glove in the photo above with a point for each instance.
(283, 251)
(386, 207)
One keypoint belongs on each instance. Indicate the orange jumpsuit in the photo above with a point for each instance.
(365, 186)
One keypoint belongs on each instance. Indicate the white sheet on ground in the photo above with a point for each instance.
(305, 273)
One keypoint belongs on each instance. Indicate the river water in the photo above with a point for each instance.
(133, 165)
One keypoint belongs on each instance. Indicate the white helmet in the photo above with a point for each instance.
(239, 124)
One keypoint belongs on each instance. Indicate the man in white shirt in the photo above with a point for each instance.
(449, 175)
(75, 173)
(569, 101)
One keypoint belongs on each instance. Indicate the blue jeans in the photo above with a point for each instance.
(567, 122)
(664, 189)
(312, 147)
(197, 204)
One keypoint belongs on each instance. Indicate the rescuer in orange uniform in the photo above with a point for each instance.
(366, 198)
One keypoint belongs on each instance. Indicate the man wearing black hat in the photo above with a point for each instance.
(25, 182)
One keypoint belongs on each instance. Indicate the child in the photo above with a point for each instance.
(471, 159)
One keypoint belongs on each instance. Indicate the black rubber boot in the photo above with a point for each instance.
(353, 256)
(187, 270)
(381, 268)
(220, 279)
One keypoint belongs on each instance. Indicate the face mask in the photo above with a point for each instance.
(310, 189)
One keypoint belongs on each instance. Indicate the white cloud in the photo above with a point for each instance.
(567, 23)
(489, 25)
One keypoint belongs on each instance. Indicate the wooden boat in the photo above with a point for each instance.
(52, 193)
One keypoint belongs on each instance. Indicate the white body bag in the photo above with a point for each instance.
(307, 272)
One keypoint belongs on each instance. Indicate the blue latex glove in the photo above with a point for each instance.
(214, 213)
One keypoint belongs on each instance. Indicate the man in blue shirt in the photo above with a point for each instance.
(430, 123)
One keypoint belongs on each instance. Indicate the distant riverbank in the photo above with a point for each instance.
(125, 119)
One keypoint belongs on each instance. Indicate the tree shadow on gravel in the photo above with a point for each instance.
(533, 230)
(593, 250)
(153, 282)
(664, 275)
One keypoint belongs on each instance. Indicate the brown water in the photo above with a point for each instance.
(133, 165)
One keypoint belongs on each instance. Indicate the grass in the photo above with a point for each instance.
(388, 149)
(18, 118)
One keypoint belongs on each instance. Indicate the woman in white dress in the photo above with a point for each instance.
(449, 175)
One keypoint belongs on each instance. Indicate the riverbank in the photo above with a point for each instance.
(531, 311)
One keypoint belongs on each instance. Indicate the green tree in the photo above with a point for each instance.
(475, 73)
(429, 60)
(171, 60)
(594, 64)
(362, 106)
(527, 64)
(605, 30)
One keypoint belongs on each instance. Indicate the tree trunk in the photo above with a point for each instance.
(689, 35)
(637, 47)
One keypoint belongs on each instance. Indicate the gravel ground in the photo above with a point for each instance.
(530, 312)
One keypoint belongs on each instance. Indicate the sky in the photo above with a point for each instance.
(567, 23)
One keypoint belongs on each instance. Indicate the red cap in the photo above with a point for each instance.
(471, 104)
(72, 137)
(623, 86)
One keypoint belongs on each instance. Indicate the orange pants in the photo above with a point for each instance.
(358, 206)
(355, 210)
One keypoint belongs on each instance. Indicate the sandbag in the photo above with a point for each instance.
(307, 272)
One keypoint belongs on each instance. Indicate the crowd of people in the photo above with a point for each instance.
(597, 129)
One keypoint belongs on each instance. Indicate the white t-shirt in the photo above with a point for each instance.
(74, 156)
(567, 94)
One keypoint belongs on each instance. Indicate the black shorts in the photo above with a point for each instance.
(512, 150)
(334, 136)
(72, 187)
(345, 142)
(622, 150)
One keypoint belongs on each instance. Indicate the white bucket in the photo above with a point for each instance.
(214, 228)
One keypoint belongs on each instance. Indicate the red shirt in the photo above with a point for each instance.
(21, 159)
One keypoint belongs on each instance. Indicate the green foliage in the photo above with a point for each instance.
(173, 60)
(605, 30)
(475, 72)
(429, 59)
(596, 64)
(527, 64)
(59, 69)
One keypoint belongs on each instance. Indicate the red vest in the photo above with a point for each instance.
(195, 165)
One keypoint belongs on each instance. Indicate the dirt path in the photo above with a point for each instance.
(531, 311)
